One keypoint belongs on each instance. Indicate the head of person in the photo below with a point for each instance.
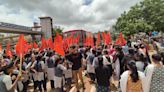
(93, 51)
(134, 73)
(7, 69)
(59, 60)
(142, 46)
(73, 49)
(98, 53)
(136, 46)
(162, 55)
(131, 51)
(156, 58)
(105, 52)
(100, 61)
(118, 48)
(50, 54)
(39, 58)
(139, 57)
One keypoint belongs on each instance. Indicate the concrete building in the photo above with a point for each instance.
(46, 26)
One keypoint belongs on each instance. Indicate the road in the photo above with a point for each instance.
(88, 87)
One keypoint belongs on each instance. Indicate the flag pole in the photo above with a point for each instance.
(20, 67)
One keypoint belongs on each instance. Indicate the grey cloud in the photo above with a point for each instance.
(68, 14)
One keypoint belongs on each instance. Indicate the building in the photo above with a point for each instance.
(82, 34)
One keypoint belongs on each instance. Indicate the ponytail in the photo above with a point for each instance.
(134, 72)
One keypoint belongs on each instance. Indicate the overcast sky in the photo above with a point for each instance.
(90, 15)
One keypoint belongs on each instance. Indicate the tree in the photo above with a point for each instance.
(146, 16)
(57, 29)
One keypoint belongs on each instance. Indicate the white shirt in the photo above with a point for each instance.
(8, 82)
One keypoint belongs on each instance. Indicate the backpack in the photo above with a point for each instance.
(50, 63)
(91, 58)
(38, 67)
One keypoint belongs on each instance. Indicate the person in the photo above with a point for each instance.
(50, 61)
(26, 68)
(107, 60)
(6, 80)
(38, 68)
(59, 68)
(140, 63)
(118, 64)
(143, 50)
(103, 75)
(68, 75)
(132, 80)
(90, 67)
(162, 55)
(154, 75)
(76, 58)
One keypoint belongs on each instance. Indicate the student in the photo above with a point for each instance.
(140, 63)
(38, 68)
(107, 59)
(50, 61)
(132, 80)
(68, 75)
(154, 75)
(76, 58)
(162, 55)
(6, 80)
(118, 64)
(59, 68)
(90, 67)
(26, 69)
(103, 75)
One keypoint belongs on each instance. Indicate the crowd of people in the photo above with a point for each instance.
(132, 65)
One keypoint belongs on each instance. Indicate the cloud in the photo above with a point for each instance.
(91, 15)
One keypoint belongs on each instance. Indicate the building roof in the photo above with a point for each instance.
(74, 31)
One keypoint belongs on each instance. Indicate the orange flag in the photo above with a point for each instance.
(27, 47)
(0, 48)
(35, 45)
(104, 37)
(8, 52)
(108, 38)
(120, 40)
(58, 47)
(21, 45)
(43, 44)
(50, 43)
(77, 38)
(98, 39)
(88, 41)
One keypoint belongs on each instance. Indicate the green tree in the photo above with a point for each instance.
(146, 16)
(57, 29)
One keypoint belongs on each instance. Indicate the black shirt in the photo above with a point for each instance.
(75, 59)
(103, 75)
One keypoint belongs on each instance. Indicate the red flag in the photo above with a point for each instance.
(104, 37)
(0, 48)
(35, 45)
(43, 44)
(98, 39)
(71, 39)
(50, 43)
(8, 52)
(108, 38)
(120, 40)
(88, 41)
(65, 44)
(76, 39)
(27, 47)
(21, 45)
(58, 44)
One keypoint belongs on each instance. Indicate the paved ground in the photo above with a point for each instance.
(89, 87)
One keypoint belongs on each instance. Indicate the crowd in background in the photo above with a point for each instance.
(137, 66)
